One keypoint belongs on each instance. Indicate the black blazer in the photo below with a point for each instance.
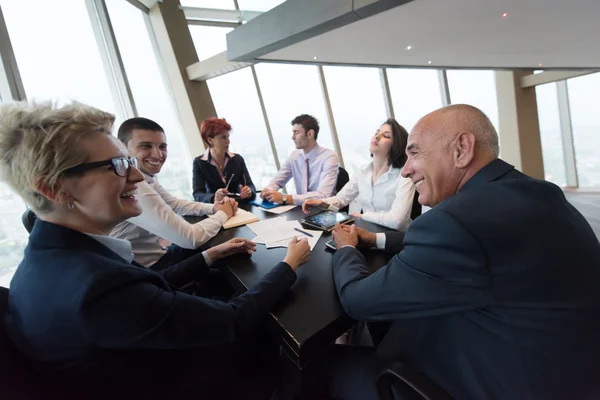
(77, 309)
(206, 179)
(494, 292)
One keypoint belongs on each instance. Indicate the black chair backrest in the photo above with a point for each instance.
(342, 179)
(28, 218)
(398, 381)
(417, 209)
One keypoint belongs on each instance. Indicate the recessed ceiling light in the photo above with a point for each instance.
(314, 58)
(540, 64)
(428, 62)
(504, 15)
(408, 47)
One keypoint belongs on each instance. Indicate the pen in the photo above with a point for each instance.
(229, 181)
(301, 231)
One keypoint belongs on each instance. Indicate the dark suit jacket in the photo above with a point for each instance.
(206, 179)
(77, 309)
(494, 293)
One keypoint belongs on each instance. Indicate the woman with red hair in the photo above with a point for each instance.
(219, 172)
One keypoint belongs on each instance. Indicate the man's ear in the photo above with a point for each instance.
(310, 134)
(56, 194)
(464, 149)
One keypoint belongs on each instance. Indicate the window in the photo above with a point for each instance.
(288, 91)
(550, 133)
(358, 108)
(414, 93)
(219, 4)
(151, 93)
(477, 88)
(258, 5)
(235, 99)
(584, 101)
(55, 63)
(209, 40)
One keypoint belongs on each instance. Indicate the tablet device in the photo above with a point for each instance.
(326, 220)
(264, 203)
(330, 245)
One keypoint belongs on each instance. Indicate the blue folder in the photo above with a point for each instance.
(264, 204)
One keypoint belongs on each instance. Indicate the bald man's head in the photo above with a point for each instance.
(446, 148)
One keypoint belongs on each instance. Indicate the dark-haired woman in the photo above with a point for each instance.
(378, 193)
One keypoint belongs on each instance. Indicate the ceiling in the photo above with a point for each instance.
(540, 34)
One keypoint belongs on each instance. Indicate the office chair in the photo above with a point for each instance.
(342, 179)
(417, 209)
(28, 219)
(399, 381)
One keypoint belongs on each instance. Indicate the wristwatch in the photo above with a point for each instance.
(285, 197)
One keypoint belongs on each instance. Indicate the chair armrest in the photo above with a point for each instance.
(400, 379)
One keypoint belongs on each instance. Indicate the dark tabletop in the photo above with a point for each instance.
(310, 316)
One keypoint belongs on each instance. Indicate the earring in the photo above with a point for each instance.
(71, 205)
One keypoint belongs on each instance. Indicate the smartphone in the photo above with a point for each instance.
(330, 245)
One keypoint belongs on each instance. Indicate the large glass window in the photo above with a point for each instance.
(220, 4)
(209, 40)
(584, 101)
(235, 99)
(288, 91)
(151, 93)
(477, 88)
(358, 109)
(550, 133)
(415, 92)
(258, 5)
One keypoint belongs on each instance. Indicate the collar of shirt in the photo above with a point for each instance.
(120, 246)
(311, 154)
(207, 157)
(368, 169)
(149, 178)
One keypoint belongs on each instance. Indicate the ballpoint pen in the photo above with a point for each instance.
(229, 181)
(301, 231)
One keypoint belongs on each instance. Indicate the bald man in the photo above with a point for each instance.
(493, 293)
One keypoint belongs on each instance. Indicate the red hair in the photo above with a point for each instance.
(211, 127)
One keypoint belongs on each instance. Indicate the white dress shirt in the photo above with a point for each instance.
(323, 167)
(388, 202)
(120, 246)
(161, 218)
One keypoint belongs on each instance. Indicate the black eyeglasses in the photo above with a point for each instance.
(121, 166)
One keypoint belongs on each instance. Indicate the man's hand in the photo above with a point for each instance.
(344, 237)
(220, 195)
(298, 253)
(365, 238)
(313, 203)
(264, 192)
(274, 197)
(233, 246)
(245, 192)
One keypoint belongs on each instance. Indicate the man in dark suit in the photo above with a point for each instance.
(493, 293)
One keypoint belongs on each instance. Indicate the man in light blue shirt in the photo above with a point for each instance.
(313, 168)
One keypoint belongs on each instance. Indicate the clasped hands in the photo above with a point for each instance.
(351, 235)
(227, 205)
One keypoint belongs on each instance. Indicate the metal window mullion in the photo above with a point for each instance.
(111, 57)
(139, 5)
(566, 129)
(387, 94)
(444, 88)
(330, 118)
(266, 118)
(12, 84)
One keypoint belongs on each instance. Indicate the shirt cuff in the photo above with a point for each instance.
(380, 241)
(207, 259)
(333, 208)
(221, 216)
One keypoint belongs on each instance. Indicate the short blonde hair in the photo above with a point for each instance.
(40, 140)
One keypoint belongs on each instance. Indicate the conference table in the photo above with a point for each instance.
(310, 317)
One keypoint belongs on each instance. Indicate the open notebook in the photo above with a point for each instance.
(242, 217)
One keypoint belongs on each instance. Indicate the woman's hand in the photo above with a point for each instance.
(298, 253)
(313, 203)
(233, 246)
(245, 192)
(227, 205)
(220, 194)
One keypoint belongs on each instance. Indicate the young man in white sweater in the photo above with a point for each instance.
(161, 216)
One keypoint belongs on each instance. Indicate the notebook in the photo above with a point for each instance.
(242, 217)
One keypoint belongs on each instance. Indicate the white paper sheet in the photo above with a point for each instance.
(280, 209)
(312, 241)
(273, 230)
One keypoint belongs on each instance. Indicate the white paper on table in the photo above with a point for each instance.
(312, 241)
(258, 240)
(273, 230)
(280, 209)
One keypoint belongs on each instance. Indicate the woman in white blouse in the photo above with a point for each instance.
(378, 193)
